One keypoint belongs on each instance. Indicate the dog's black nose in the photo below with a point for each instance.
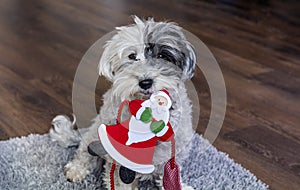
(146, 84)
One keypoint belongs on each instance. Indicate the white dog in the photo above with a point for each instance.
(140, 59)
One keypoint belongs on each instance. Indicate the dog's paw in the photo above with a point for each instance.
(75, 172)
(186, 187)
(63, 131)
(159, 183)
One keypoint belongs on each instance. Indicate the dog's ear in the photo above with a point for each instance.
(189, 62)
(105, 67)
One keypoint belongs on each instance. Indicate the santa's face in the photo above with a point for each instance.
(159, 106)
(161, 101)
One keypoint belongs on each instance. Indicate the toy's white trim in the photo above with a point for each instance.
(141, 168)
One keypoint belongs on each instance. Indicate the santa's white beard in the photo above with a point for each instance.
(160, 112)
(140, 131)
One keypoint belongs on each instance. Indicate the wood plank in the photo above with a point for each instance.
(281, 151)
(277, 177)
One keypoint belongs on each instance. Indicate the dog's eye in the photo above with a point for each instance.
(165, 56)
(160, 56)
(132, 56)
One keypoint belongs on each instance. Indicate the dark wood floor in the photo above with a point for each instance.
(257, 45)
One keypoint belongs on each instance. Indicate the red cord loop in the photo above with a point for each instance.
(173, 153)
(112, 170)
(125, 102)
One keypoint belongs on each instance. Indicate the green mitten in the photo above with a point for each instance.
(157, 126)
(146, 116)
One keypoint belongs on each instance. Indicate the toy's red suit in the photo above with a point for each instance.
(132, 142)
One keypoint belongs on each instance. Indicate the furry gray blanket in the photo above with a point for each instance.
(35, 162)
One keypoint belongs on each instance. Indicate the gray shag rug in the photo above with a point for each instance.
(35, 162)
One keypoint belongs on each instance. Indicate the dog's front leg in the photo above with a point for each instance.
(80, 166)
(83, 163)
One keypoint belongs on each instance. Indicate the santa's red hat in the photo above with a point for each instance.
(163, 93)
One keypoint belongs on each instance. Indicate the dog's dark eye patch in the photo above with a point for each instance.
(166, 55)
(165, 52)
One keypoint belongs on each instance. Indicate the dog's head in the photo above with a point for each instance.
(146, 57)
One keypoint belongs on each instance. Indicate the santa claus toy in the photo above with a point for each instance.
(131, 143)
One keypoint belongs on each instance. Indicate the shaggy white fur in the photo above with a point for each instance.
(147, 50)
